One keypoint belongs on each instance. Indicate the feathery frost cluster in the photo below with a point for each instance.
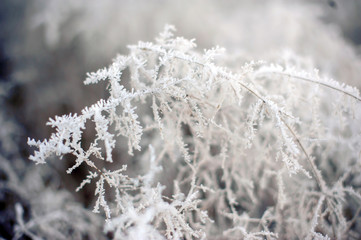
(265, 151)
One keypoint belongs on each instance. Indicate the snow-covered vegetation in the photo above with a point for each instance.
(250, 138)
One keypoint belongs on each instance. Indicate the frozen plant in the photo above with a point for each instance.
(256, 152)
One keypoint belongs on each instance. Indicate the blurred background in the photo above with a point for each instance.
(48, 46)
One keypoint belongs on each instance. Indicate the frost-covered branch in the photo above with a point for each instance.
(230, 146)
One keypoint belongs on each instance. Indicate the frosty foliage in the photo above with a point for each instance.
(256, 152)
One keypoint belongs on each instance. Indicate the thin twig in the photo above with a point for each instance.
(316, 82)
(318, 177)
